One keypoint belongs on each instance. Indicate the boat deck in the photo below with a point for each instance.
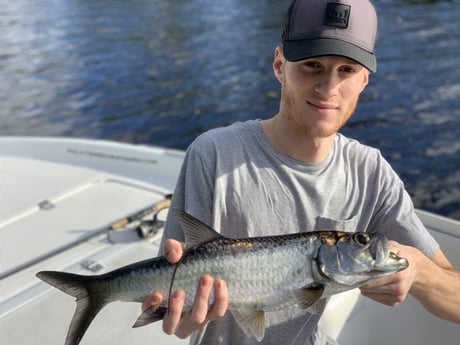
(59, 201)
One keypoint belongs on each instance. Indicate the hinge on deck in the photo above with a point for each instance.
(91, 265)
(45, 205)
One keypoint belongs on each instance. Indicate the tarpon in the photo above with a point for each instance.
(262, 274)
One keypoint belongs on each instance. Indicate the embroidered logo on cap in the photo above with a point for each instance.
(337, 15)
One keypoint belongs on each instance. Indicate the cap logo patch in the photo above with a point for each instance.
(337, 15)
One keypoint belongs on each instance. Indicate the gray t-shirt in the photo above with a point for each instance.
(233, 180)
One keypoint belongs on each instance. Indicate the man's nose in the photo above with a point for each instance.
(327, 84)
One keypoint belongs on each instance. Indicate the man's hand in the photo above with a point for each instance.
(393, 289)
(175, 321)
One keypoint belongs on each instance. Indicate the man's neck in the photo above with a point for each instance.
(288, 139)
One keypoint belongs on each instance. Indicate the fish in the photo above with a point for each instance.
(263, 274)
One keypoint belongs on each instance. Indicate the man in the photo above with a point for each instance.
(294, 172)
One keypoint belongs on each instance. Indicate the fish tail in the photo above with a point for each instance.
(88, 304)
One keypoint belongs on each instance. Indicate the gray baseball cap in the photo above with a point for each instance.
(331, 27)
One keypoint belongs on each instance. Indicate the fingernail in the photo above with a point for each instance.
(171, 254)
(219, 284)
(155, 299)
(204, 282)
(178, 295)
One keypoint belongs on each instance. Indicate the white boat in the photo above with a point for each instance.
(59, 201)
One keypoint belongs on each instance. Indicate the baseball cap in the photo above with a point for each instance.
(331, 27)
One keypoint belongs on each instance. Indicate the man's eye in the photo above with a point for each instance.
(312, 64)
(348, 69)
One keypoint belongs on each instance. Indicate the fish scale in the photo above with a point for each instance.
(255, 273)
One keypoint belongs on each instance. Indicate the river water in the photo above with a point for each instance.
(161, 72)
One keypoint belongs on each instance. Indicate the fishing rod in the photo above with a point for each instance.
(146, 228)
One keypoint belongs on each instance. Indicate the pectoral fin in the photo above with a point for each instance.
(308, 296)
(251, 322)
(197, 336)
(318, 307)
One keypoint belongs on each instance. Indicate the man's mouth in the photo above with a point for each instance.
(323, 107)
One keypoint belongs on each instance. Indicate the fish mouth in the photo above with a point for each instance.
(393, 263)
(386, 260)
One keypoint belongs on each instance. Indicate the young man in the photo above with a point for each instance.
(295, 173)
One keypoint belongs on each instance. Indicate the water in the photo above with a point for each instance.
(161, 72)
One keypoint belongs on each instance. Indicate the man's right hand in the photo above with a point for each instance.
(175, 321)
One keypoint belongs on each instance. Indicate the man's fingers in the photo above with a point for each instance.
(201, 313)
(220, 304)
(196, 318)
(176, 322)
(201, 303)
(387, 299)
(153, 301)
(173, 250)
(389, 290)
(172, 317)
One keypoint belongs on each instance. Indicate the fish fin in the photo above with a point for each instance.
(251, 322)
(149, 316)
(87, 306)
(195, 231)
(308, 296)
(318, 307)
(197, 336)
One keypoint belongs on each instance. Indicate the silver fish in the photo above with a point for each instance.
(263, 274)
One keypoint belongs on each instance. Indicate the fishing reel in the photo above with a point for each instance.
(152, 223)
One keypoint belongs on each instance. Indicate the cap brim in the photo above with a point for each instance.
(297, 50)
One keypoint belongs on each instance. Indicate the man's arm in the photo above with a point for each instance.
(433, 281)
(174, 321)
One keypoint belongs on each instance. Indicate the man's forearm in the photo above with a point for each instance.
(437, 287)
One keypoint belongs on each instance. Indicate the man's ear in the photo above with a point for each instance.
(278, 62)
(365, 80)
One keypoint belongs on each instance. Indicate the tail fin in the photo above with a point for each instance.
(88, 305)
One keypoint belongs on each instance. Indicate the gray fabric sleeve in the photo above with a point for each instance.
(193, 192)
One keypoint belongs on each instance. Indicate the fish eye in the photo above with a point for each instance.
(361, 238)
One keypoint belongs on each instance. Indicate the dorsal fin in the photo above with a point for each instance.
(195, 231)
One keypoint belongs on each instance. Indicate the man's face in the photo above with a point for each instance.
(320, 94)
